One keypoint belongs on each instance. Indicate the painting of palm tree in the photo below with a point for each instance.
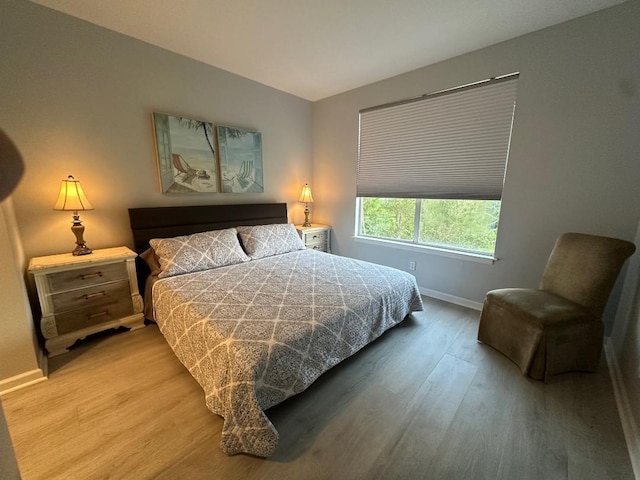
(186, 154)
(240, 160)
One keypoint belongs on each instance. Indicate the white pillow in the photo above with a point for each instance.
(200, 251)
(261, 241)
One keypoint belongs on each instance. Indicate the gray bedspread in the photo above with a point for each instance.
(256, 333)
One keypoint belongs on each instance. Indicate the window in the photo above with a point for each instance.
(431, 169)
(466, 225)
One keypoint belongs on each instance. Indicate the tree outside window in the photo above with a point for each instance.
(467, 225)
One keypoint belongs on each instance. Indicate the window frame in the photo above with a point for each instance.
(414, 244)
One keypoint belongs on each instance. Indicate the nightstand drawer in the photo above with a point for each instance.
(322, 246)
(316, 237)
(93, 315)
(87, 277)
(91, 297)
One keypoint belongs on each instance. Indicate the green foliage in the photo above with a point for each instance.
(388, 217)
(460, 224)
(466, 224)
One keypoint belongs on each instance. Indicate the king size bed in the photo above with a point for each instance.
(253, 315)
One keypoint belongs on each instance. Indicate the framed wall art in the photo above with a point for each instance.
(186, 155)
(240, 160)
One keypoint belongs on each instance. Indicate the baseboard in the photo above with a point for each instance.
(450, 298)
(629, 425)
(43, 362)
(20, 381)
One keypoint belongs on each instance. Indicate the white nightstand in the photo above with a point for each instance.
(317, 237)
(81, 295)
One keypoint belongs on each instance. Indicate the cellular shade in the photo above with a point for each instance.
(452, 144)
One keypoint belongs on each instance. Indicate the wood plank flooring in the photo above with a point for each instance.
(423, 401)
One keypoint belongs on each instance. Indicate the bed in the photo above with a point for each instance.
(254, 316)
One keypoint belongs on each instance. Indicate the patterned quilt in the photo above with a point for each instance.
(256, 333)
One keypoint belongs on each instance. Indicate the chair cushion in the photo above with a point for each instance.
(539, 307)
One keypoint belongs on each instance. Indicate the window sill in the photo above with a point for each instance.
(474, 257)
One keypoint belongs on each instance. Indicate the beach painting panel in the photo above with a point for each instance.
(240, 160)
(186, 155)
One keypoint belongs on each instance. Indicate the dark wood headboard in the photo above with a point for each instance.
(166, 222)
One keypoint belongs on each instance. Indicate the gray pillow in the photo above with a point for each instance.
(200, 251)
(261, 241)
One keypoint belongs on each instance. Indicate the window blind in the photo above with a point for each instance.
(451, 144)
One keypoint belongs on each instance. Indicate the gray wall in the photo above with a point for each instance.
(18, 352)
(574, 165)
(626, 333)
(571, 166)
(77, 99)
(624, 347)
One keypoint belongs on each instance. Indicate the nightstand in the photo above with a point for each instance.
(317, 237)
(81, 295)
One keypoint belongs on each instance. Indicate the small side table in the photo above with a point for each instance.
(316, 237)
(81, 295)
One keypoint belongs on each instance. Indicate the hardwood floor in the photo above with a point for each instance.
(423, 401)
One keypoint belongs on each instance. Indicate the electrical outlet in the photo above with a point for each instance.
(412, 265)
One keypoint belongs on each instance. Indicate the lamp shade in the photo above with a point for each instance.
(71, 196)
(305, 196)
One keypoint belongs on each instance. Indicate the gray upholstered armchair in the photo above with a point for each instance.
(558, 327)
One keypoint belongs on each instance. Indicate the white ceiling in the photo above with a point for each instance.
(318, 48)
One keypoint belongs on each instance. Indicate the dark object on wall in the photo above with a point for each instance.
(558, 327)
(11, 166)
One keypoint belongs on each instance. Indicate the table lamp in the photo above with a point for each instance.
(71, 198)
(306, 198)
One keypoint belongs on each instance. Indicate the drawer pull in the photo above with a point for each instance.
(99, 314)
(90, 275)
(89, 296)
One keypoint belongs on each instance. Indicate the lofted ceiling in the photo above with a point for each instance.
(318, 48)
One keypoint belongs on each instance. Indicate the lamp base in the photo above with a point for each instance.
(78, 230)
(81, 250)
(306, 223)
